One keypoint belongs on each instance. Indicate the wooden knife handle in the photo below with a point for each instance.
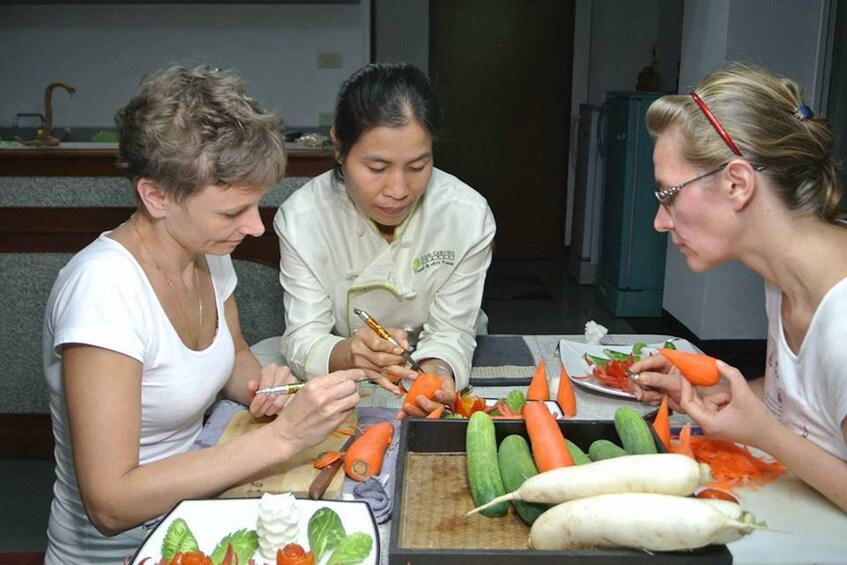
(323, 479)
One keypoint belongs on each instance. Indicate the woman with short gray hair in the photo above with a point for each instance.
(141, 332)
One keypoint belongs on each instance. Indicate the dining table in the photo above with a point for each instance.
(802, 526)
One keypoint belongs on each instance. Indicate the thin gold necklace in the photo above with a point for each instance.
(195, 335)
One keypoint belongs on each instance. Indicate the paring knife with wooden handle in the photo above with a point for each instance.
(323, 479)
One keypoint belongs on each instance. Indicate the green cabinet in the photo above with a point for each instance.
(632, 262)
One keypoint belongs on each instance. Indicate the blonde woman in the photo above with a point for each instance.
(744, 172)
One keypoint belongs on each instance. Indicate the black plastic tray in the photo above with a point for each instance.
(448, 435)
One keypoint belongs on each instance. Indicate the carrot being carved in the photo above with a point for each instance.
(699, 369)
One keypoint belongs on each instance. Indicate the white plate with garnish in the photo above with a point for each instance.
(211, 520)
(581, 372)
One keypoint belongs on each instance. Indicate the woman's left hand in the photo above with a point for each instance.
(269, 404)
(738, 415)
(444, 396)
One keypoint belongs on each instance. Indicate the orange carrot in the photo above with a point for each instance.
(565, 395)
(699, 369)
(662, 423)
(683, 446)
(325, 458)
(733, 465)
(425, 385)
(364, 457)
(538, 388)
(549, 449)
(436, 414)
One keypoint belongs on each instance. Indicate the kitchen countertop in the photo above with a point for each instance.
(98, 160)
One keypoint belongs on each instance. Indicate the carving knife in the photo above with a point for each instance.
(325, 476)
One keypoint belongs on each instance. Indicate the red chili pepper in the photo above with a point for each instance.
(467, 405)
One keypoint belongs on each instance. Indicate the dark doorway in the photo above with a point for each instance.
(503, 71)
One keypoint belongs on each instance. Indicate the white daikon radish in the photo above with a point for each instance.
(664, 473)
(731, 510)
(652, 522)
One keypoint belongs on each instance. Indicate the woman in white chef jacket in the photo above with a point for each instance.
(388, 233)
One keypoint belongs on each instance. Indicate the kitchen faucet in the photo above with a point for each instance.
(43, 137)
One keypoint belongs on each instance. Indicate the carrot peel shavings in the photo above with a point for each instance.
(732, 465)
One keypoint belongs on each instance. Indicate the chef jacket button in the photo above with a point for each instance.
(350, 275)
(411, 294)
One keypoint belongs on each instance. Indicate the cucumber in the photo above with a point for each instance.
(605, 449)
(516, 466)
(578, 455)
(634, 432)
(483, 471)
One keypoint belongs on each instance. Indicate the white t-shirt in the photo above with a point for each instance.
(808, 392)
(103, 298)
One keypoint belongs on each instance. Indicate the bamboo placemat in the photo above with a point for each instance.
(436, 497)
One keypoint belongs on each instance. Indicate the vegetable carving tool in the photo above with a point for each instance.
(289, 388)
(383, 333)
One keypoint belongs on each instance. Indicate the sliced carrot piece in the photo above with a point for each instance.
(565, 395)
(538, 387)
(436, 414)
(327, 458)
(683, 446)
(662, 423)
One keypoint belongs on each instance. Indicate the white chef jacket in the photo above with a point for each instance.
(430, 278)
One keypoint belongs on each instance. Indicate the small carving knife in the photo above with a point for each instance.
(323, 479)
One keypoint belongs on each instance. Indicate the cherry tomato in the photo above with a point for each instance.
(716, 494)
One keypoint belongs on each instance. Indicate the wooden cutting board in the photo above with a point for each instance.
(294, 475)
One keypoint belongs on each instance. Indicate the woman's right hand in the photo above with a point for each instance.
(661, 377)
(379, 358)
(317, 409)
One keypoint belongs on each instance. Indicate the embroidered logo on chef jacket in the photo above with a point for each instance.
(433, 259)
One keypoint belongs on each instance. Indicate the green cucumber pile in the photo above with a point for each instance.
(494, 471)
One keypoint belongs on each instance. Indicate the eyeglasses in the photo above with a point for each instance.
(665, 196)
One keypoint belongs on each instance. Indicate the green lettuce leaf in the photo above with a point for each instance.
(325, 531)
(352, 549)
(178, 539)
(244, 544)
(637, 347)
(516, 400)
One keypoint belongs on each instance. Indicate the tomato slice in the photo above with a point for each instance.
(717, 494)
(294, 554)
(190, 558)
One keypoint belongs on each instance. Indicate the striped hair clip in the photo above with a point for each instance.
(803, 112)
